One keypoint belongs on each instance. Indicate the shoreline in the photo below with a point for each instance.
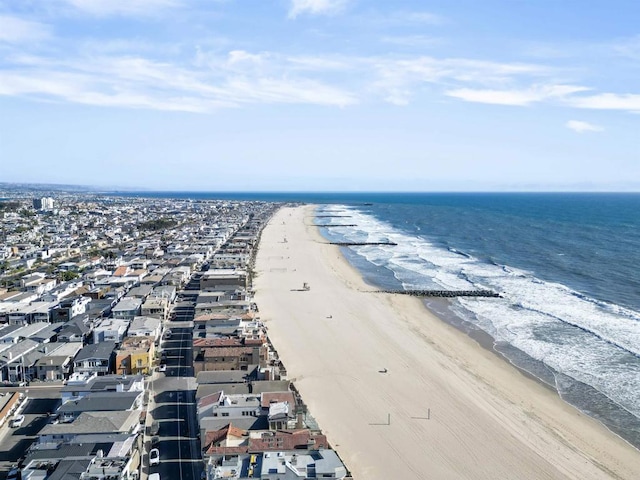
(489, 343)
(473, 393)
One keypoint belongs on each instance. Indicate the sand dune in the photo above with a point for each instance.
(456, 410)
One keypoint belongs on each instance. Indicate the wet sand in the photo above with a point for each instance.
(446, 408)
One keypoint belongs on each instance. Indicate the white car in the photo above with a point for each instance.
(154, 456)
(17, 421)
(162, 368)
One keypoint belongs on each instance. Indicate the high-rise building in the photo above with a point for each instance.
(44, 203)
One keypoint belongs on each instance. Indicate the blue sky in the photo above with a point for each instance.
(321, 94)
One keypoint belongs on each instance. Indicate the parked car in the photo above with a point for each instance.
(154, 428)
(154, 456)
(17, 421)
(14, 473)
(162, 368)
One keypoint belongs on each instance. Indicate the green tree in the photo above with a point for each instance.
(66, 276)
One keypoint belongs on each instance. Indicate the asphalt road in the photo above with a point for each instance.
(14, 442)
(175, 410)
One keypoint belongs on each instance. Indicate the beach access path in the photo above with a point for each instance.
(399, 393)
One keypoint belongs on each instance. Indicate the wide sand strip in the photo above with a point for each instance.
(456, 410)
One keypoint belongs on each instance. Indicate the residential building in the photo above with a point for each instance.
(156, 307)
(100, 402)
(69, 308)
(75, 330)
(101, 422)
(57, 362)
(81, 384)
(110, 330)
(145, 327)
(223, 279)
(12, 360)
(135, 356)
(127, 308)
(95, 358)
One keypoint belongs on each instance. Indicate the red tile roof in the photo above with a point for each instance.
(212, 439)
(217, 342)
(121, 271)
(287, 440)
(272, 397)
(227, 351)
(209, 399)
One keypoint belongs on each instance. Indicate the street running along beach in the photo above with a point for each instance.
(403, 395)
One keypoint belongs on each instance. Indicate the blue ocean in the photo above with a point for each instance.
(567, 267)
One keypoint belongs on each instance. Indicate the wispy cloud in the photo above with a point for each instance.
(607, 101)
(521, 97)
(105, 8)
(141, 83)
(416, 17)
(420, 41)
(397, 79)
(628, 47)
(17, 30)
(144, 73)
(315, 7)
(582, 127)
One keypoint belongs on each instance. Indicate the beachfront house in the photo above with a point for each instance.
(223, 279)
(230, 353)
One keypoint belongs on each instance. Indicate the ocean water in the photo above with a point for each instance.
(566, 266)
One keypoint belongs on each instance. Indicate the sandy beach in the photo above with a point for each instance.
(446, 408)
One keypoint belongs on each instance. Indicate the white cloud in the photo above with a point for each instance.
(17, 30)
(398, 79)
(141, 83)
(104, 8)
(515, 97)
(400, 18)
(582, 127)
(417, 17)
(495, 97)
(423, 41)
(628, 47)
(315, 7)
(318, 63)
(607, 101)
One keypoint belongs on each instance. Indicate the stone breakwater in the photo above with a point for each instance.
(443, 293)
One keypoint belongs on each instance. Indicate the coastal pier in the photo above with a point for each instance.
(333, 216)
(443, 293)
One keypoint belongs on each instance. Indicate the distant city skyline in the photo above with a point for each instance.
(321, 95)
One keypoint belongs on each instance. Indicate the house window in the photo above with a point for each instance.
(225, 414)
